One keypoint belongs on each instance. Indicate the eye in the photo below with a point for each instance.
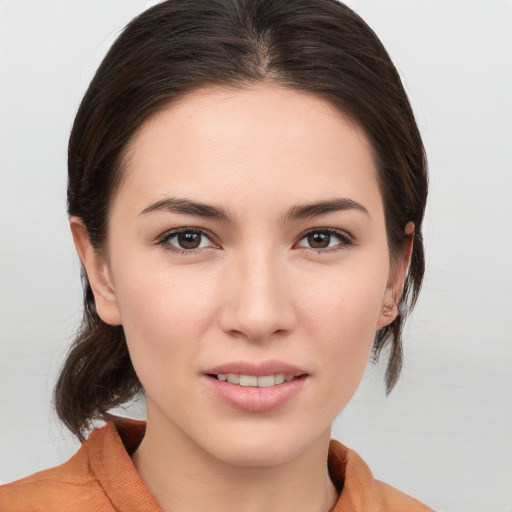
(186, 240)
(325, 240)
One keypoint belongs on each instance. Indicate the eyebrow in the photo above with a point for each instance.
(187, 207)
(301, 211)
(305, 211)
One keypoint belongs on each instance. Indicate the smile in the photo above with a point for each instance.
(256, 387)
(262, 381)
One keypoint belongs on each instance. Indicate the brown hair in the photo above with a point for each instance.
(320, 46)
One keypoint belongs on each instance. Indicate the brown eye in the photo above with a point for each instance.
(325, 239)
(319, 240)
(186, 240)
(189, 240)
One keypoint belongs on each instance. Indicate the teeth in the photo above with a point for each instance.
(248, 380)
(264, 381)
(233, 378)
(281, 377)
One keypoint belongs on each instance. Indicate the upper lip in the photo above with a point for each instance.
(258, 369)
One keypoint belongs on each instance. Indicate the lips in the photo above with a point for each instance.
(260, 369)
(256, 388)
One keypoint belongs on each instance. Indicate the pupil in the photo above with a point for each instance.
(319, 240)
(189, 240)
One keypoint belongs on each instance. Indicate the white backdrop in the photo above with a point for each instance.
(445, 433)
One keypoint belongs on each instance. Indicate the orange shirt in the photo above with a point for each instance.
(101, 477)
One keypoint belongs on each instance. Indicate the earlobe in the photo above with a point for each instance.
(396, 281)
(98, 273)
(387, 314)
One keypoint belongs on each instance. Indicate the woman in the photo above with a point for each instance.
(246, 190)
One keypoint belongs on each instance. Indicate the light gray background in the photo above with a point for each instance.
(444, 435)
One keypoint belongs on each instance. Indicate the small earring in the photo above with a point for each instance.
(387, 310)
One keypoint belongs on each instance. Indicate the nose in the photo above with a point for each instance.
(257, 301)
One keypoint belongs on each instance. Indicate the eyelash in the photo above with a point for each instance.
(164, 240)
(345, 240)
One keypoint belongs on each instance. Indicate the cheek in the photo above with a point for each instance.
(342, 320)
(164, 316)
(347, 301)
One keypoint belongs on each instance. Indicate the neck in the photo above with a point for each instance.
(183, 477)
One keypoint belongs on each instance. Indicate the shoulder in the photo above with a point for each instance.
(70, 486)
(397, 501)
(360, 491)
(100, 476)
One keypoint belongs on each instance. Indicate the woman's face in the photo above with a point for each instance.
(247, 242)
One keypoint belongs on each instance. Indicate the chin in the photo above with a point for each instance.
(264, 448)
(257, 455)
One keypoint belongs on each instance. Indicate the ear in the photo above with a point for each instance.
(98, 273)
(396, 281)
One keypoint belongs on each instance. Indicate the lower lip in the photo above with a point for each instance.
(255, 399)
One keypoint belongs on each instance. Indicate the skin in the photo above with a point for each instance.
(255, 289)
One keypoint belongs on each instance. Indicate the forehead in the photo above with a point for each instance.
(266, 143)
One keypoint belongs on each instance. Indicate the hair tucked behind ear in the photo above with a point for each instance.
(392, 333)
(98, 374)
(177, 46)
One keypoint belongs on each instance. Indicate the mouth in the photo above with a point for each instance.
(260, 381)
(256, 388)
